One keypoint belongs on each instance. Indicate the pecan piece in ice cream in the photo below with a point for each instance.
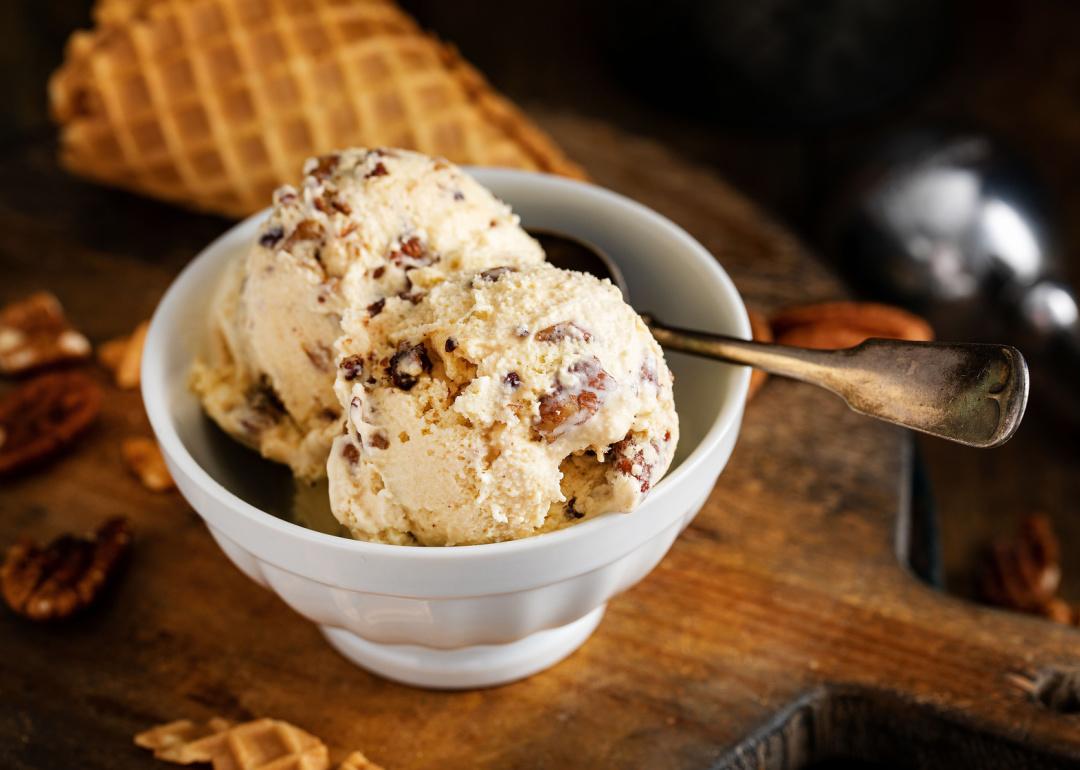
(56, 581)
(561, 331)
(407, 365)
(629, 456)
(568, 406)
(306, 230)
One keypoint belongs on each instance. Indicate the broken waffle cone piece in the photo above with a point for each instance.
(35, 333)
(143, 456)
(357, 761)
(179, 733)
(214, 103)
(263, 744)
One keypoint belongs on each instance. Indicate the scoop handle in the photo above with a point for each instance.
(974, 394)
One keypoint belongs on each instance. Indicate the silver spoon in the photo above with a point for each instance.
(974, 394)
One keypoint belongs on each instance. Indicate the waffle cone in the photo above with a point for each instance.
(264, 744)
(214, 103)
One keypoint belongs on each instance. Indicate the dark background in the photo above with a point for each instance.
(780, 98)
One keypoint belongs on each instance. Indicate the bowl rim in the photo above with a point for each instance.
(153, 388)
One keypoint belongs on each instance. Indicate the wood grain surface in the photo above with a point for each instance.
(782, 629)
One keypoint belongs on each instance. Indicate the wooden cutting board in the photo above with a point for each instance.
(783, 627)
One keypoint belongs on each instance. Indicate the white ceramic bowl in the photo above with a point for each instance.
(467, 616)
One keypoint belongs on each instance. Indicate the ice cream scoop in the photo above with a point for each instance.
(505, 403)
(369, 224)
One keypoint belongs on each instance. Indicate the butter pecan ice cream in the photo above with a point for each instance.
(500, 404)
(364, 228)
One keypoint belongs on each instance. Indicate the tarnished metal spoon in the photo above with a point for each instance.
(974, 394)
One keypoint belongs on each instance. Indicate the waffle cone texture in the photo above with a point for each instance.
(214, 103)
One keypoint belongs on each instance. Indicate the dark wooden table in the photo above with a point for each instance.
(783, 628)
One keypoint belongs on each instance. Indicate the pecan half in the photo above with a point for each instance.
(1024, 573)
(844, 324)
(45, 415)
(34, 333)
(407, 365)
(561, 331)
(825, 336)
(566, 407)
(66, 576)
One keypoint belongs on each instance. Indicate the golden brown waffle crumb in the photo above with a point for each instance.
(128, 373)
(179, 733)
(111, 353)
(144, 458)
(263, 744)
(357, 761)
(219, 120)
(123, 356)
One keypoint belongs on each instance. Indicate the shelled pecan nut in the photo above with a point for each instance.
(56, 581)
(34, 333)
(828, 325)
(43, 416)
(1024, 573)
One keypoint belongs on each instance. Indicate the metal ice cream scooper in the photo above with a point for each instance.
(954, 223)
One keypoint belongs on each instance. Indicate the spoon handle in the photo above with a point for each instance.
(973, 394)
